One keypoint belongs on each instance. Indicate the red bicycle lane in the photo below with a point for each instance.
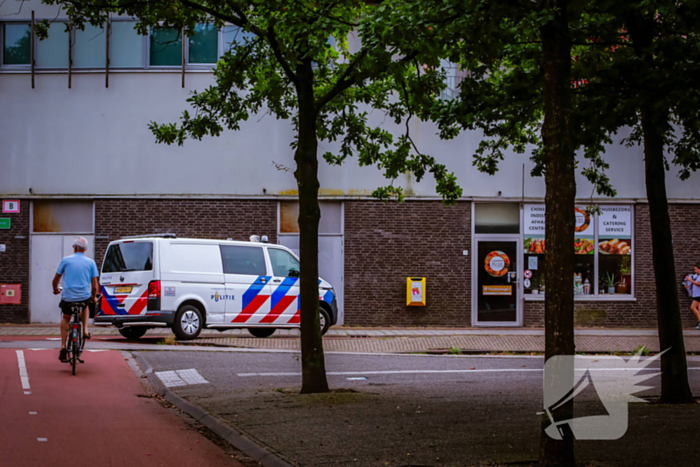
(95, 418)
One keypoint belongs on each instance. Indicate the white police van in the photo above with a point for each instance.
(190, 284)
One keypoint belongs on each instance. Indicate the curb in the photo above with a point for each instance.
(231, 435)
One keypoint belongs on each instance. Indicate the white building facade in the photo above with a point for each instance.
(77, 157)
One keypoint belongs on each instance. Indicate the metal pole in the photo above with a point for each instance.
(32, 50)
(108, 30)
(183, 57)
(70, 57)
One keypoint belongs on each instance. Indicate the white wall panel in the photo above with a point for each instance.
(95, 140)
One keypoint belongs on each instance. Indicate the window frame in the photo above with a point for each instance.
(15, 67)
(204, 66)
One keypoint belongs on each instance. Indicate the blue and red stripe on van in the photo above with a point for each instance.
(110, 304)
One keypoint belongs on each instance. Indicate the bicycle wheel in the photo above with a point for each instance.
(74, 350)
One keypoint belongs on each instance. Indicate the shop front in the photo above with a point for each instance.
(510, 259)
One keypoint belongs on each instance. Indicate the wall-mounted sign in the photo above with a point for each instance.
(497, 263)
(497, 290)
(10, 205)
(2, 248)
(5, 223)
(533, 234)
(615, 230)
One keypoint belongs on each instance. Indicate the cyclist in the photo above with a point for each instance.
(79, 285)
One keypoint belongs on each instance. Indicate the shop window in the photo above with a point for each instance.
(89, 50)
(166, 47)
(52, 52)
(125, 45)
(497, 218)
(602, 251)
(203, 45)
(16, 42)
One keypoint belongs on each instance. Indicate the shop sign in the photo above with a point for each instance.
(615, 230)
(10, 206)
(5, 222)
(533, 235)
(497, 290)
(615, 222)
(497, 263)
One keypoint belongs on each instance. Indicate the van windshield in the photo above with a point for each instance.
(137, 256)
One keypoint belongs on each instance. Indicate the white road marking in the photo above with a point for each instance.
(170, 379)
(176, 378)
(96, 350)
(27, 392)
(356, 378)
(191, 376)
(413, 372)
(32, 413)
(53, 338)
(23, 370)
(42, 439)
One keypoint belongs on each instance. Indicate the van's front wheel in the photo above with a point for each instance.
(188, 323)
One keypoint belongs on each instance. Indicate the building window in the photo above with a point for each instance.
(497, 218)
(89, 49)
(52, 52)
(233, 35)
(17, 46)
(203, 46)
(125, 45)
(602, 251)
(166, 47)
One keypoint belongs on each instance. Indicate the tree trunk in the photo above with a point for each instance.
(674, 368)
(560, 180)
(313, 366)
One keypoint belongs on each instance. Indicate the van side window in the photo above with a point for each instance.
(137, 256)
(243, 260)
(283, 264)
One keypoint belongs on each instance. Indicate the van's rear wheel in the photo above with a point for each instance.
(188, 323)
(133, 332)
(261, 332)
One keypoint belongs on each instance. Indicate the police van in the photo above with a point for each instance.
(191, 284)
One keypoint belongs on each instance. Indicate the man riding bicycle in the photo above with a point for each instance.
(79, 285)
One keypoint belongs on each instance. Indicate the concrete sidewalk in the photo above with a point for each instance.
(399, 340)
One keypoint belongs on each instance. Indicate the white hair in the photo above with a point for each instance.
(81, 243)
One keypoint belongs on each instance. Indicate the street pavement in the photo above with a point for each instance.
(99, 417)
(391, 340)
(417, 410)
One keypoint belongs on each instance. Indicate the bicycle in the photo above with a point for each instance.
(76, 341)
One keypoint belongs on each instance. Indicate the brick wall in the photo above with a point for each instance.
(14, 263)
(642, 312)
(386, 243)
(236, 219)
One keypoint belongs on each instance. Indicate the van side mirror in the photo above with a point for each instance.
(294, 273)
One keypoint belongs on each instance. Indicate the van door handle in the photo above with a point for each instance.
(263, 280)
(276, 280)
(121, 305)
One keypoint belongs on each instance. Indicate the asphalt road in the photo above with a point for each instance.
(96, 418)
(420, 410)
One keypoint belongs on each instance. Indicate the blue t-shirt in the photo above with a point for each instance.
(77, 271)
